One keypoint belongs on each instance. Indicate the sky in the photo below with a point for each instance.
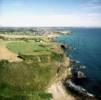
(70, 13)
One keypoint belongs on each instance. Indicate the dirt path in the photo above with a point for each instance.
(8, 55)
(59, 93)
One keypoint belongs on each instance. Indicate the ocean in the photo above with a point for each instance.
(87, 49)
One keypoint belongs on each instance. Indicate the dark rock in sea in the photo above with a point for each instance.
(76, 89)
(80, 75)
(73, 62)
(64, 46)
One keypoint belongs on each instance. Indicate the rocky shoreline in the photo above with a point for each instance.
(68, 85)
(77, 75)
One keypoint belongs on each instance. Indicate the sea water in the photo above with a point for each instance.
(87, 49)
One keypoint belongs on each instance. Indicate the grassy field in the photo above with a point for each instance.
(28, 79)
(26, 47)
(24, 79)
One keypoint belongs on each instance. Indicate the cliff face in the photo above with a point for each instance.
(63, 71)
(57, 88)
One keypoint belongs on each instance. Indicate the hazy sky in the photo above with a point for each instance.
(50, 13)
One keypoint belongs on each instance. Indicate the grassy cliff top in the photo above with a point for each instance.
(28, 79)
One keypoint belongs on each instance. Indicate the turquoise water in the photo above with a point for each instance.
(87, 44)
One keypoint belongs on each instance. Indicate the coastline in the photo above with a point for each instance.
(57, 88)
(57, 85)
(73, 95)
(59, 92)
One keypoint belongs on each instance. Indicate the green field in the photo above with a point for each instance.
(28, 79)
(23, 79)
(26, 47)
